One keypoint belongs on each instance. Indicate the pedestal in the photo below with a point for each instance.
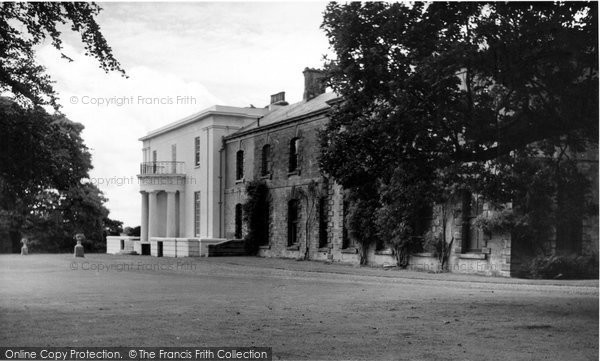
(79, 250)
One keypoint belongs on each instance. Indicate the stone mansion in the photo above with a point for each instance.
(193, 181)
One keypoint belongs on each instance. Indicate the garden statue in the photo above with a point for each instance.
(79, 237)
(24, 249)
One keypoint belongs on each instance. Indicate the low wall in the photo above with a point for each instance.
(493, 260)
(174, 247)
(204, 242)
(122, 244)
(182, 247)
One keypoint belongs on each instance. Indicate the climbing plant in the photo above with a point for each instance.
(256, 214)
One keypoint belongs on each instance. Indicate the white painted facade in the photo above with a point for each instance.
(180, 178)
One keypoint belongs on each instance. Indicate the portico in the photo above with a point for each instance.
(162, 193)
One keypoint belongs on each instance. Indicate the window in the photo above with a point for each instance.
(197, 214)
(266, 154)
(473, 237)
(197, 151)
(154, 157)
(294, 153)
(322, 222)
(238, 221)
(239, 165)
(292, 222)
(570, 200)
(173, 158)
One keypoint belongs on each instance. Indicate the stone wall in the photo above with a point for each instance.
(493, 255)
(493, 259)
(306, 184)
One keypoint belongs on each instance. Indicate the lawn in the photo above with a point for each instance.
(303, 310)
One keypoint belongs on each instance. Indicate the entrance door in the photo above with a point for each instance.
(159, 251)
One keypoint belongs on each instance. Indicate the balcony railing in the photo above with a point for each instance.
(162, 168)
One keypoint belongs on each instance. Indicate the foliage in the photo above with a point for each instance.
(361, 218)
(59, 216)
(437, 243)
(445, 97)
(256, 212)
(26, 25)
(399, 216)
(500, 221)
(550, 196)
(442, 252)
(115, 228)
(310, 196)
(44, 161)
(450, 83)
(137, 230)
(564, 267)
(42, 193)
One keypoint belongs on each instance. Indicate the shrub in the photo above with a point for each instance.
(439, 247)
(564, 267)
(500, 221)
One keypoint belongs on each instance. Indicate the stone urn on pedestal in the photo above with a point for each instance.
(24, 249)
(79, 237)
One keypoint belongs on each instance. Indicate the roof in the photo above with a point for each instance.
(213, 110)
(291, 111)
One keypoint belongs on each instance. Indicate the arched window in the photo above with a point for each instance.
(294, 152)
(292, 222)
(239, 165)
(238, 221)
(266, 155)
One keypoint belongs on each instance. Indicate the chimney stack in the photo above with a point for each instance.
(278, 99)
(314, 83)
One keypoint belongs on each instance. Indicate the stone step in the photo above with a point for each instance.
(227, 249)
(127, 252)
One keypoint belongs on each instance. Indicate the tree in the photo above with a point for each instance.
(361, 218)
(441, 97)
(137, 230)
(457, 82)
(44, 161)
(42, 156)
(57, 216)
(24, 25)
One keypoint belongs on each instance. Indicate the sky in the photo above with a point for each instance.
(185, 57)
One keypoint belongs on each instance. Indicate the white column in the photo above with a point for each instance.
(181, 214)
(144, 225)
(171, 215)
(152, 214)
